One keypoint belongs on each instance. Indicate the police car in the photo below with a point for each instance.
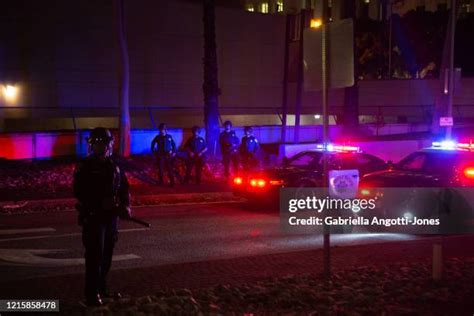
(444, 164)
(432, 182)
(304, 169)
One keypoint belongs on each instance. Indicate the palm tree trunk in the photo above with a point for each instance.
(210, 85)
(123, 80)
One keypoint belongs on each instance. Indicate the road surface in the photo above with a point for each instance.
(44, 245)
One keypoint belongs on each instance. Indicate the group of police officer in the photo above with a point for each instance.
(233, 151)
(102, 191)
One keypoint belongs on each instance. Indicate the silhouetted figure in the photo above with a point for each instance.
(249, 148)
(102, 191)
(195, 148)
(229, 148)
(164, 148)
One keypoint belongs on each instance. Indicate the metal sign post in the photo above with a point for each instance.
(451, 68)
(328, 63)
(324, 79)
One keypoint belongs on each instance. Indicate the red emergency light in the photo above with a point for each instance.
(469, 172)
(339, 148)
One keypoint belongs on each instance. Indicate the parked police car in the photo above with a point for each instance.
(435, 182)
(304, 169)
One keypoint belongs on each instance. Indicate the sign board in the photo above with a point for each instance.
(341, 56)
(446, 121)
(343, 184)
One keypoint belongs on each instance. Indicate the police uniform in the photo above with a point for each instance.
(229, 148)
(164, 148)
(248, 152)
(195, 146)
(102, 191)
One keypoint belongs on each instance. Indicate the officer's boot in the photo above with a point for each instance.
(94, 300)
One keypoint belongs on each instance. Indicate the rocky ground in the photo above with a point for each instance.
(394, 289)
(46, 179)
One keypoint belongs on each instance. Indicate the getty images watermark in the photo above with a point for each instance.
(397, 210)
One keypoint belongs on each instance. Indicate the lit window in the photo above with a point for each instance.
(316, 23)
(264, 7)
(279, 6)
(249, 7)
(10, 93)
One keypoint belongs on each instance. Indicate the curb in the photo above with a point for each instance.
(61, 205)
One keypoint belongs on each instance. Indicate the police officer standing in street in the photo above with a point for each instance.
(102, 191)
(195, 148)
(164, 148)
(229, 148)
(248, 150)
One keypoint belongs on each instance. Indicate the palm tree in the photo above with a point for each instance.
(124, 80)
(211, 85)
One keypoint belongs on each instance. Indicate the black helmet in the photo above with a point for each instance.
(195, 129)
(228, 123)
(100, 135)
(248, 129)
(161, 126)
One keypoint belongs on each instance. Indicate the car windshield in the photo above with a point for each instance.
(307, 159)
(437, 162)
(414, 162)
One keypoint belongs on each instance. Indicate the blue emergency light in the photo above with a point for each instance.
(452, 145)
(339, 148)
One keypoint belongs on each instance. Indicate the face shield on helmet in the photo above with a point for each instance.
(100, 142)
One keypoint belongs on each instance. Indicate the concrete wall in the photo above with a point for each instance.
(55, 144)
(69, 59)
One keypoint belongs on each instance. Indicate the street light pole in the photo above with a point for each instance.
(390, 42)
(325, 86)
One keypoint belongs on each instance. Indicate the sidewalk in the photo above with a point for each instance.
(159, 280)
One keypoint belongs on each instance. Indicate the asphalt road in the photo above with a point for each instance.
(43, 245)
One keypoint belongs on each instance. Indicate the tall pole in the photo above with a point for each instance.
(299, 83)
(451, 67)
(211, 84)
(124, 81)
(284, 106)
(390, 41)
(325, 85)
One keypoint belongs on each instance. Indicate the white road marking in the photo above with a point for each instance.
(32, 257)
(66, 235)
(26, 231)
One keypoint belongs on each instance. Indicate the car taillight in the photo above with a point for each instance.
(238, 181)
(469, 172)
(258, 183)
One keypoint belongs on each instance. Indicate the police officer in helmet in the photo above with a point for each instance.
(195, 148)
(249, 148)
(229, 148)
(102, 191)
(164, 148)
